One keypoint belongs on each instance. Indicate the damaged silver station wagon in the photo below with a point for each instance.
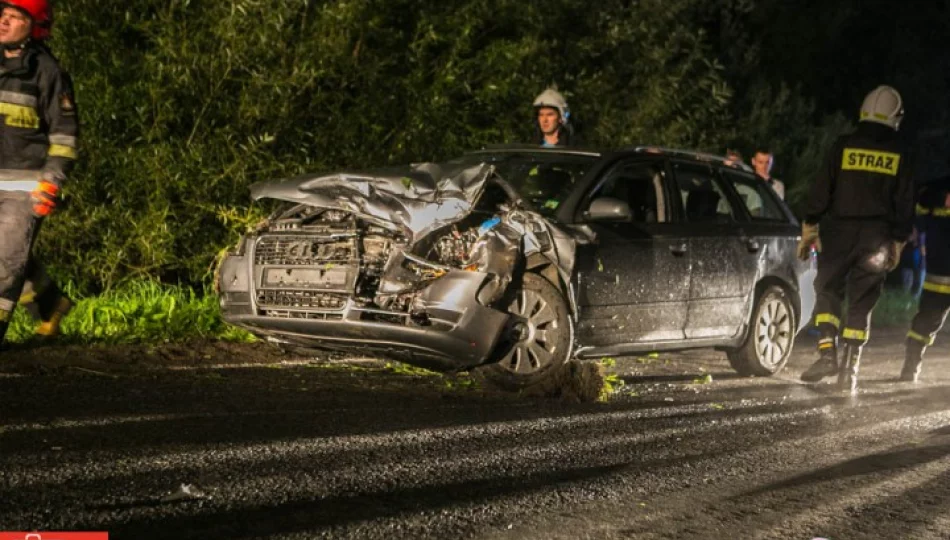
(514, 260)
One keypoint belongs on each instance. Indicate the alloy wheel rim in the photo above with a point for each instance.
(773, 332)
(536, 333)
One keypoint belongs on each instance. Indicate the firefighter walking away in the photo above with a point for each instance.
(864, 198)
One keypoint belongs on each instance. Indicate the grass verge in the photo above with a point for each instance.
(136, 312)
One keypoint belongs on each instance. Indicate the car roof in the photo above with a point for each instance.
(692, 155)
(535, 149)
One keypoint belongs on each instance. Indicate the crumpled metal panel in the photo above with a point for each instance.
(506, 240)
(414, 200)
(497, 253)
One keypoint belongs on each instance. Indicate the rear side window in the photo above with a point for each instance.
(757, 198)
(701, 195)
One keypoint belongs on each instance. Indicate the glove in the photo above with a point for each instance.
(809, 237)
(894, 250)
(44, 198)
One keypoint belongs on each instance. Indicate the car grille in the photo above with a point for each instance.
(306, 315)
(297, 299)
(300, 275)
(291, 250)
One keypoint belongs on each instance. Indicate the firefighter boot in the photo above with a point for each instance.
(825, 366)
(50, 328)
(912, 360)
(850, 361)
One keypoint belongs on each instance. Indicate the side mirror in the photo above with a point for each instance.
(608, 209)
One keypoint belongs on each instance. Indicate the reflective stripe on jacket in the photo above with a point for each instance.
(933, 219)
(39, 127)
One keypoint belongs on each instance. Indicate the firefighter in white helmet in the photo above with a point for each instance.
(864, 197)
(553, 120)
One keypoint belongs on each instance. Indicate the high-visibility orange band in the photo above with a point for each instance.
(48, 188)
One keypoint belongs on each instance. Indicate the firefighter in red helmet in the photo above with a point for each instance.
(40, 13)
(38, 146)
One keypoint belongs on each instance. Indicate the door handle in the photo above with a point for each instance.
(678, 249)
(751, 244)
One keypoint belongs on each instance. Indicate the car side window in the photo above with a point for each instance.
(701, 197)
(756, 198)
(640, 185)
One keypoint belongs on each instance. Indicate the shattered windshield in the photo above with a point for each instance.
(544, 179)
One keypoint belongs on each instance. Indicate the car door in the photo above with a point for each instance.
(772, 226)
(723, 259)
(633, 274)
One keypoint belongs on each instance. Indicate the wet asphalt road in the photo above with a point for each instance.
(303, 451)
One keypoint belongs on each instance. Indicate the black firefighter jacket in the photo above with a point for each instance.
(867, 176)
(933, 216)
(38, 120)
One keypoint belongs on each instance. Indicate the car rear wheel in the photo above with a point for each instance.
(770, 338)
(540, 337)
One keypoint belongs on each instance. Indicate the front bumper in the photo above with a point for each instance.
(458, 331)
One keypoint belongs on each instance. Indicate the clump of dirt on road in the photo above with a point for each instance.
(574, 382)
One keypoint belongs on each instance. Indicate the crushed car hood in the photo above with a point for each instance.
(416, 199)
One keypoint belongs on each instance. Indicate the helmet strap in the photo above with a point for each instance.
(18, 46)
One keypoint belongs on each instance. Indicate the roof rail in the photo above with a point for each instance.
(704, 156)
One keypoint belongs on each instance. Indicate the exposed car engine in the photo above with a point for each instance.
(318, 259)
(455, 248)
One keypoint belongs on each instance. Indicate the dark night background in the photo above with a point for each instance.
(835, 51)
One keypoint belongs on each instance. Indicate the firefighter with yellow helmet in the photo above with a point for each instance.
(864, 198)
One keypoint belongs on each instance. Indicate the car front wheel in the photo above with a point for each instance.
(540, 337)
(770, 338)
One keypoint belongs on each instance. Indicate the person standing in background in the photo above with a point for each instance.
(762, 161)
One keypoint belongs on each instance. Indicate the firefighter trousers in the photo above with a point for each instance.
(932, 310)
(18, 229)
(852, 265)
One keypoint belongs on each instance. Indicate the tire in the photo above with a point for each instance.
(540, 339)
(770, 338)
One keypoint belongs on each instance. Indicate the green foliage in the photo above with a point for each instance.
(139, 311)
(411, 371)
(185, 103)
(612, 382)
